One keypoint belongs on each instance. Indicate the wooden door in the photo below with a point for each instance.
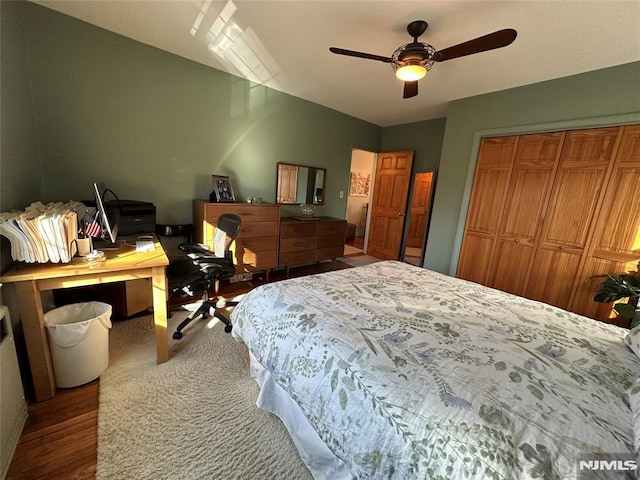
(526, 202)
(576, 196)
(419, 212)
(388, 211)
(493, 172)
(615, 247)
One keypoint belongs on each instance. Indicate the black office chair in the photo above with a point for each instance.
(200, 269)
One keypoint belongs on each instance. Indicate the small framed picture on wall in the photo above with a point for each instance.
(359, 184)
(222, 189)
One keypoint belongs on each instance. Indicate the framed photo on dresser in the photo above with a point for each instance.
(222, 189)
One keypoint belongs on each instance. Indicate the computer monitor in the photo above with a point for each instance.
(108, 221)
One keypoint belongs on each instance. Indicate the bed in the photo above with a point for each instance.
(394, 371)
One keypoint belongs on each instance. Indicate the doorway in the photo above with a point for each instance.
(361, 176)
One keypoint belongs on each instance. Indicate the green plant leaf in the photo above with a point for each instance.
(334, 380)
(349, 383)
(343, 398)
(536, 392)
(327, 366)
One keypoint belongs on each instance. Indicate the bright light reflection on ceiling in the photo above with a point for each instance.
(241, 51)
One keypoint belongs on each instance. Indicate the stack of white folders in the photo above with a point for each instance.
(43, 233)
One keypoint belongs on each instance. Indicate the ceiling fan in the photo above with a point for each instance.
(412, 61)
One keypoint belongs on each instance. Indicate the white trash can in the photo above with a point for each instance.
(79, 342)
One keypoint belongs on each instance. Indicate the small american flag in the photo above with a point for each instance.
(91, 225)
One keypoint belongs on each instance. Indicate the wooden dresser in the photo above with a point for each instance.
(256, 247)
(309, 241)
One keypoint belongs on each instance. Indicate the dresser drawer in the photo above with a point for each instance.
(259, 253)
(258, 229)
(333, 228)
(256, 213)
(253, 261)
(297, 244)
(297, 258)
(330, 241)
(256, 244)
(297, 229)
(248, 213)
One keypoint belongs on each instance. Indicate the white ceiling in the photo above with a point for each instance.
(286, 44)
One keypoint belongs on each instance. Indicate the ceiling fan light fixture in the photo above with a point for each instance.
(411, 73)
(412, 61)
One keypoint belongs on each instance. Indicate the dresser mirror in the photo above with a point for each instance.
(297, 184)
(419, 212)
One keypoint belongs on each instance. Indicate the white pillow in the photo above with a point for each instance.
(633, 340)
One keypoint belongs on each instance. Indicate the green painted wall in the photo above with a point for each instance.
(425, 138)
(20, 172)
(603, 97)
(155, 126)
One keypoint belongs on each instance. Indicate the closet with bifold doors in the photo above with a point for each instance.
(549, 211)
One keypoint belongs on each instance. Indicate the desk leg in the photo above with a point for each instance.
(36, 339)
(160, 313)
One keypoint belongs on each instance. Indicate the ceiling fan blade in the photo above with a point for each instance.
(498, 39)
(410, 89)
(368, 56)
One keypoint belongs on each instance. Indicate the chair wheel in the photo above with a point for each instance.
(228, 328)
(205, 316)
(177, 335)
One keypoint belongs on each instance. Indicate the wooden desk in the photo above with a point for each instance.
(120, 265)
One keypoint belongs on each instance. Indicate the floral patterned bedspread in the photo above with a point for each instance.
(410, 374)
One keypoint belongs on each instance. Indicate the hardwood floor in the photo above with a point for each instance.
(357, 242)
(60, 439)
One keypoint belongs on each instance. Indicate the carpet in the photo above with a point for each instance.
(359, 260)
(192, 417)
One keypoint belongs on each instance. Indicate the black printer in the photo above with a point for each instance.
(132, 216)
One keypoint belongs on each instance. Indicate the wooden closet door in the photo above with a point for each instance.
(616, 241)
(576, 196)
(526, 202)
(490, 184)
